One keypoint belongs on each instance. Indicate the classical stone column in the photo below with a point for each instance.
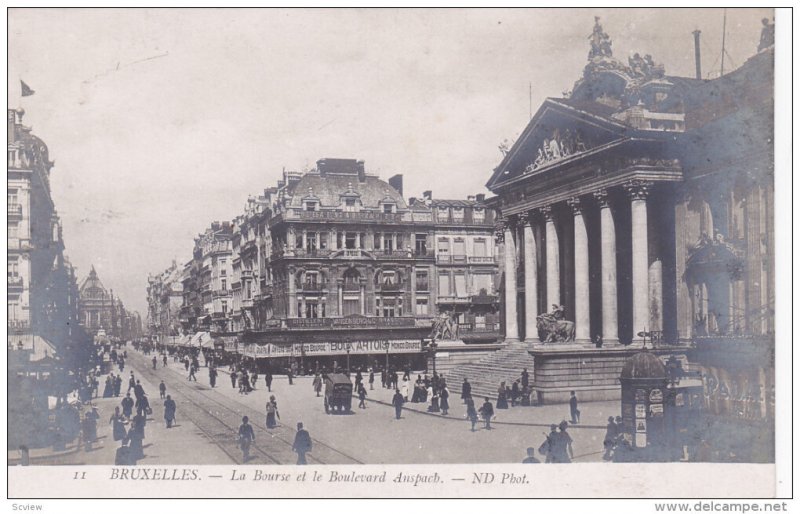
(512, 331)
(292, 295)
(581, 251)
(637, 192)
(553, 270)
(531, 303)
(608, 265)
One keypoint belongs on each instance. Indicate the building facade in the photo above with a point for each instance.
(642, 203)
(336, 257)
(103, 314)
(42, 292)
(164, 302)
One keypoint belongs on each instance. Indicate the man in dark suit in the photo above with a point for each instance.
(302, 444)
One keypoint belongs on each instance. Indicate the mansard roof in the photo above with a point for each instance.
(329, 188)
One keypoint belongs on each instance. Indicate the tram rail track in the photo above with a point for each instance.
(222, 431)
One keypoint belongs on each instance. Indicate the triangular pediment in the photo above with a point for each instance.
(560, 132)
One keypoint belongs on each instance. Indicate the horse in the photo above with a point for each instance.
(555, 330)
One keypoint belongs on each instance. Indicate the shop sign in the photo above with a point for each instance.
(641, 425)
(656, 410)
(333, 348)
(641, 412)
(641, 395)
(656, 396)
(351, 322)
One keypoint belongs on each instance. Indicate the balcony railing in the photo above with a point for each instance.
(478, 328)
(311, 286)
(16, 281)
(391, 287)
(14, 209)
(481, 260)
(362, 216)
(18, 324)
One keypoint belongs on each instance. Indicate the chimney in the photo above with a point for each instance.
(698, 72)
(470, 198)
(427, 197)
(480, 198)
(397, 183)
(412, 200)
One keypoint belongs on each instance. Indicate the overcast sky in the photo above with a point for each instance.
(161, 121)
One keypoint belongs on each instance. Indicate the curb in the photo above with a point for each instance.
(510, 423)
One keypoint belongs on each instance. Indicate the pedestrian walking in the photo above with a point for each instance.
(192, 370)
(466, 391)
(155, 362)
(136, 437)
(162, 389)
(212, 376)
(290, 373)
(123, 455)
(127, 406)
(444, 402)
(362, 396)
(472, 414)
(317, 384)
(143, 406)
(502, 399)
(404, 389)
(164, 360)
(383, 378)
(272, 412)
(531, 458)
(573, 408)
(253, 379)
(524, 378)
(117, 385)
(117, 423)
(302, 444)
(514, 393)
(397, 401)
(169, 411)
(561, 445)
(268, 381)
(546, 448)
(131, 382)
(121, 364)
(487, 411)
(371, 378)
(610, 439)
(89, 429)
(246, 438)
(359, 379)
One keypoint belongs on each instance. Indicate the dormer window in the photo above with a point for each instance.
(310, 206)
(458, 214)
(388, 208)
(443, 214)
(479, 214)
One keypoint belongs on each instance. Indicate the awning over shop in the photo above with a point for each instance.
(229, 344)
(200, 340)
(37, 346)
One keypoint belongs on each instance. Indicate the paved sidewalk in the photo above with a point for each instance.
(426, 437)
(161, 446)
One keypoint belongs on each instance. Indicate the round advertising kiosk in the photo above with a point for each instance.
(644, 390)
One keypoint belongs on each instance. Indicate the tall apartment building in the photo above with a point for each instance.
(42, 290)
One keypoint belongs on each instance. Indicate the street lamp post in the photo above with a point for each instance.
(348, 362)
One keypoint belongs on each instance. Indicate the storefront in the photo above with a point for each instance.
(339, 343)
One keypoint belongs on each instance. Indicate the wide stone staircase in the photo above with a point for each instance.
(485, 375)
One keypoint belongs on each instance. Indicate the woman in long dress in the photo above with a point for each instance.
(502, 402)
(443, 402)
(272, 412)
(108, 390)
(404, 389)
(118, 425)
(434, 406)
